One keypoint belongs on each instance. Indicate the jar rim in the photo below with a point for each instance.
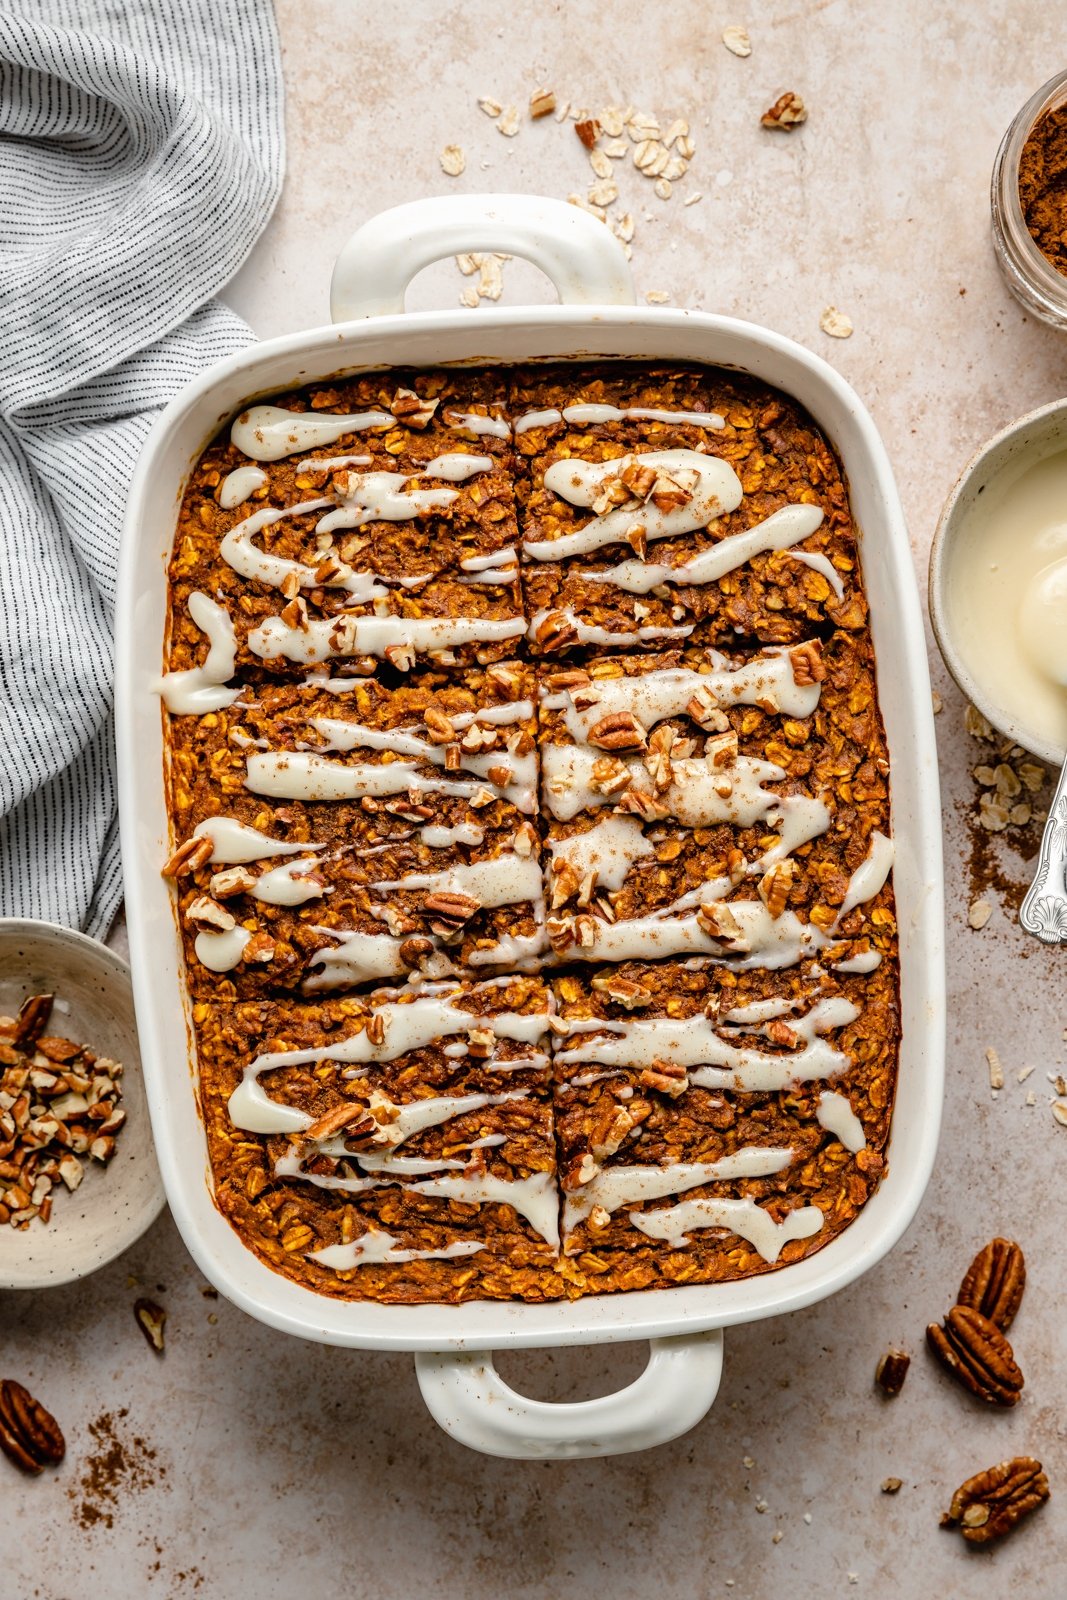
(1027, 257)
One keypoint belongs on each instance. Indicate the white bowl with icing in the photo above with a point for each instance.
(596, 319)
(998, 568)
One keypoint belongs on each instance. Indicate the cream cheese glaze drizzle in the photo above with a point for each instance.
(786, 527)
(324, 638)
(270, 433)
(743, 1217)
(196, 690)
(615, 1187)
(240, 485)
(378, 1248)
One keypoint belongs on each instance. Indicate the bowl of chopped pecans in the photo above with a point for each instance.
(78, 1175)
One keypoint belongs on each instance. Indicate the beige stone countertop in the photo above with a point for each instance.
(243, 1462)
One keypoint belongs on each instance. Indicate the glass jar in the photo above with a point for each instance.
(1032, 279)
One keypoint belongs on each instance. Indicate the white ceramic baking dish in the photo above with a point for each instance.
(598, 318)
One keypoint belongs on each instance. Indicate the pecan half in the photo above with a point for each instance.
(994, 1282)
(32, 1020)
(995, 1501)
(619, 731)
(334, 1120)
(450, 906)
(807, 663)
(189, 857)
(151, 1319)
(412, 410)
(975, 1351)
(29, 1435)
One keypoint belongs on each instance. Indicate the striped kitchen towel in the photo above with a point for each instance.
(141, 155)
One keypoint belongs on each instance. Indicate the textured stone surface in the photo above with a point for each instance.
(280, 1465)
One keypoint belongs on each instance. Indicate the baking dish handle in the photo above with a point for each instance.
(470, 1400)
(581, 256)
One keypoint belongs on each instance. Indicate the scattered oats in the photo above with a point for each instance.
(976, 724)
(996, 1071)
(1007, 783)
(678, 129)
(776, 1536)
(1059, 1083)
(1022, 1074)
(542, 103)
(641, 127)
(623, 227)
(563, 111)
(508, 122)
(761, 1505)
(613, 120)
(979, 913)
(657, 297)
(1059, 1111)
(492, 108)
(469, 297)
(748, 1461)
(584, 205)
(892, 1485)
(985, 776)
(467, 264)
(600, 163)
(836, 323)
(992, 815)
(676, 168)
(452, 159)
(737, 41)
(615, 148)
(663, 188)
(1031, 1098)
(1020, 814)
(685, 148)
(1033, 776)
(604, 193)
(212, 1318)
(490, 277)
(650, 157)
(936, 701)
(807, 1518)
(693, 199)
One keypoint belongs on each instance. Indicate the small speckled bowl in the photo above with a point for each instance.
(113, 1205)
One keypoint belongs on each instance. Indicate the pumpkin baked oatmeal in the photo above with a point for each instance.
(545, 697)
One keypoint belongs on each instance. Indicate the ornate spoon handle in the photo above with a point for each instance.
(1044, 911)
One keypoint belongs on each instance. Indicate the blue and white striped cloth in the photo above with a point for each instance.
(141, 154)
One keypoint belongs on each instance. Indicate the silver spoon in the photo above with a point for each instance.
(1042, 616)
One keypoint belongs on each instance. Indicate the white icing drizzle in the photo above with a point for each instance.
(235, 843)
(521, 787)
(331, 463)
(288, 885)
(869, 876)
(407, 1027)
(240, 485)
(471, 422)
(653, 696)
(593, 414)
(743, 1217)
(505, 557)
(587, 633)
(765, 941)
(835, 1114)
(220, 952)
(269, 433)
(436, 837)
(615, 1187)
(716, 491)
(799, 818)
(504, 880)
(712, 1061)
(196, 690)
(777, 532)
(327, 637)
(607, 850)
(537, 419)
(456, 467)
(239, 551)
(378, 1248)
(534, 1198)
(698, 796)
(865, 961)
(520, 951)
(357, 958)
(382, 497)
(820, 563)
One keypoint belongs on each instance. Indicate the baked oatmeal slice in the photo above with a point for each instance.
(639, 531)
(709, 1122)
(396, 1147)
(695, 803)
(327, 837)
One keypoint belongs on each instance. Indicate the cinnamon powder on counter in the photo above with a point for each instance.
(1043, 186)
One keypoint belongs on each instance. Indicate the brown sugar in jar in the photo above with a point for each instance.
(1043, 185)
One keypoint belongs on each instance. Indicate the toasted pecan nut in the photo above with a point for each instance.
(588, 131)
(334, 1120)
(619, 731)
(151, 1319)
(29, 1435)
(975, 1351)
(994, 1282)
(451, 906)
(807, 663)
(995, 1501)
(32, 1020)
(891, 1371)
(786, 112)
(190, 856)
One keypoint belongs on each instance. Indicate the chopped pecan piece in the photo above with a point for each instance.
(438, 726)
(588, 131)
(995, 1501)
(32, 1020)
(333, 1121)
(665, 1076)
(719, 922)
(994, 1282)
(807, 663)
(190, 856)
(554, 630)
(891, 1371)
(207, 913)
(775, 884)
(450, 906)
(619, 731)
(975, 1351)
(624, 991)
(787, 111)
(412, 410)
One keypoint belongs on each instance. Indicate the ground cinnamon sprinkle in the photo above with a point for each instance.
(1043, 186)
(119, 1466)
